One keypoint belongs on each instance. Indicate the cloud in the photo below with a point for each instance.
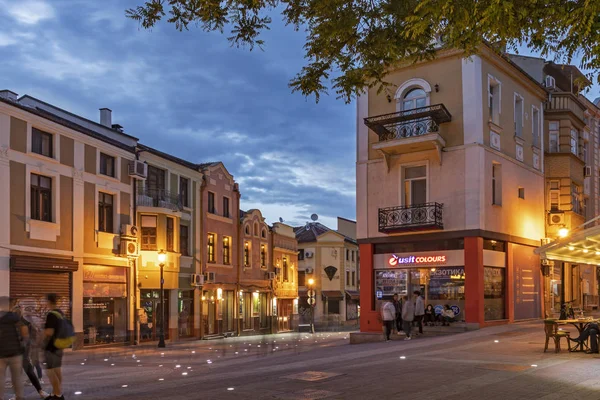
(28, 12)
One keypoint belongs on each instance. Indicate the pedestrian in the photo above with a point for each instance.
(29, 346)
(52, 353)
(419, 310)
(408, 315)
(398, 306)
(429, 318)
(388, 314)
(591, 331)
(11, 349)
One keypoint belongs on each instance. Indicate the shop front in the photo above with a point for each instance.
(283, 308)
(218, 310)
(185, 309)
(105, 304)
(32, 278)
(254, 309)
(152, 314)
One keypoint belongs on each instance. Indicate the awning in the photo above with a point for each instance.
(28, 263)
(353, 294)
(333, 294)
(581, 247)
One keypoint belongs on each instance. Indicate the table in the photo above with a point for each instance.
(580, 325)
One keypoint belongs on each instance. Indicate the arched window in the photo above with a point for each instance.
(414, 98)
(247, 229)
(264, 233)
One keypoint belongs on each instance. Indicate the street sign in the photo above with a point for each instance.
(311, 293)
(311, 301)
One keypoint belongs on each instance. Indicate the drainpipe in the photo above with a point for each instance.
(237, 223)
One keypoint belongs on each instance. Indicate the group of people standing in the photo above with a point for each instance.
(402, 314)
(20, 345)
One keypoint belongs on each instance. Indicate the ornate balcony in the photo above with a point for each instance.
(410, 130)
(159, 198)
(417, 217)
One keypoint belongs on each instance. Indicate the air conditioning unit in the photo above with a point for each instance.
(270, 275)
(209, 277)
(587, 171)
(129, 230)
(550, 82)
(309, 270)
(308, 254)
(197, 279)
(138, 169)
(129, 248)
(556, 218)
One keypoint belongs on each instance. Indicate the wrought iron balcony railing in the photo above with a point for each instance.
(409, 123)
(410, 218)
(159, 198)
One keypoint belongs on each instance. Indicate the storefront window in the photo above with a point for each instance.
(104, 304)
(186, 313)
(493, 292)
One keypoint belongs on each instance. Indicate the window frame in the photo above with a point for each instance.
(300, 254)
(494, 107)
(247, 259)
(536, 124)
(170, 234)
(226, 207)
(574, 141)
(406, 195)
(148, 232)
(210, 203)
(107, 157)
(105, 211)
(210, 248)
(184, 191)
(184, 240)
(263, 255)
(35, 132)
(496, 184)
(226, 250)
(519, 122)
(36, 195)
(554, 191)
(285, 267)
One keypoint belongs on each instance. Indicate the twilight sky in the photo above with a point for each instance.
(192, 95)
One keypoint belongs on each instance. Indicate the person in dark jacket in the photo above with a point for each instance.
(429, 315)
(11, 351)
(27, 346)
(398, 306)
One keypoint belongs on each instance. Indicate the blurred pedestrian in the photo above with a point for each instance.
(398, 306)
(11, 349)
(408, 315)
(52, 353)
(388, 314)
(419, 310)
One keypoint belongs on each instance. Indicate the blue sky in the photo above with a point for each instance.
(192, 95)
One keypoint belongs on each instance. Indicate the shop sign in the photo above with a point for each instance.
(416, 260)
(96, 273)
(448, 273)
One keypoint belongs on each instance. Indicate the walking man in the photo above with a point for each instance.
(398, 306)
(11, 351)
(53, 354)
(408, 315)
(419, 310)
(388, 314)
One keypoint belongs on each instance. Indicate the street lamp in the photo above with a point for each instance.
(311, 282)
(162, 256)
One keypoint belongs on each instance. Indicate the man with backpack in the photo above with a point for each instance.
(54, 329)
(11, 350)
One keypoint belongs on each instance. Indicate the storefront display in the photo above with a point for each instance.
(493, 292)
(185, 308)
(150, 320)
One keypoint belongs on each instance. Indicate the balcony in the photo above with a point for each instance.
(566, 103)
(159, 198)
(410, 130)
(417, 217)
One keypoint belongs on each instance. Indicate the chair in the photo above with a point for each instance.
(552, 332)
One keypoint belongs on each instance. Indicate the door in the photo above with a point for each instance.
(151, 318)
(155, 183)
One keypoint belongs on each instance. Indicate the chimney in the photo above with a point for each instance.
(8, 95)
(106, 117)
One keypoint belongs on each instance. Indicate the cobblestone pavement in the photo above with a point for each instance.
(505, 362)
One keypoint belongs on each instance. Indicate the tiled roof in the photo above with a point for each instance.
(315, 229)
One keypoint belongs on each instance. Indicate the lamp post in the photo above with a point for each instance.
(162, 256)
(312, 303)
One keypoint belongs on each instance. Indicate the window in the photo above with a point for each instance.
(300, 254)
(184, 237)
(211, 247)
(333, 306)
(535, 126)
(107, 165)
(263, 256)
(347, 278)
(574, 142)
(353, 278)
(149, 232)
(226, 207)
(247, 230)
(246, 254)
(576, 199)
(353, 253)
(414, 98)
(263, 234)
(41, 198)
(496, 184)
(522, 193)
(415, 185)
(155, 183)
(554, 195)
(105, 212)
(553, 137)
(184, 191)
(586, 152)
(226, 250)
(211, 202)
(286, 273)
(493, 293)
(347, 255)
(494, 94)
(301, 278)
(41, 142)
(518, 115)
(170, 234)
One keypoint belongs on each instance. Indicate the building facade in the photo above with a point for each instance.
(450, 188)
(284, 256)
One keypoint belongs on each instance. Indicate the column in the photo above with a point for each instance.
(77, 304)
(474, 310)
(509, 279)
(368, 314)
(173, 313)
(78, 234)
(5, 201)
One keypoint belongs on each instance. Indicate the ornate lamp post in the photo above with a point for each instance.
(162, 256)
(312, 303)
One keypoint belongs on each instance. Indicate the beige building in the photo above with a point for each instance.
(331, 259)
(284, 256)
(450, 188)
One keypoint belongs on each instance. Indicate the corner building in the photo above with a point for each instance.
(450, 188)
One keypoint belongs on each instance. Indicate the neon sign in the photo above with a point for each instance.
(395, 260)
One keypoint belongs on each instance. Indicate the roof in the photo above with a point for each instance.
(346, 219)
(316, 229)
(208, 164)
(68, 124)
(169, 157)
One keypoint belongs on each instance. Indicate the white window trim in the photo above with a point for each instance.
(41, 229)
(117, 176)
(550, 191)
(535, 109)
(517, 95)
(427, 179)
(497, 179)
(412, 84)
(189, 194)
(493, 79)
(116, 212)
(517, 148)
(55, 144)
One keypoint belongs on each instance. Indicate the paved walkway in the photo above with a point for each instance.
(505, 362)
